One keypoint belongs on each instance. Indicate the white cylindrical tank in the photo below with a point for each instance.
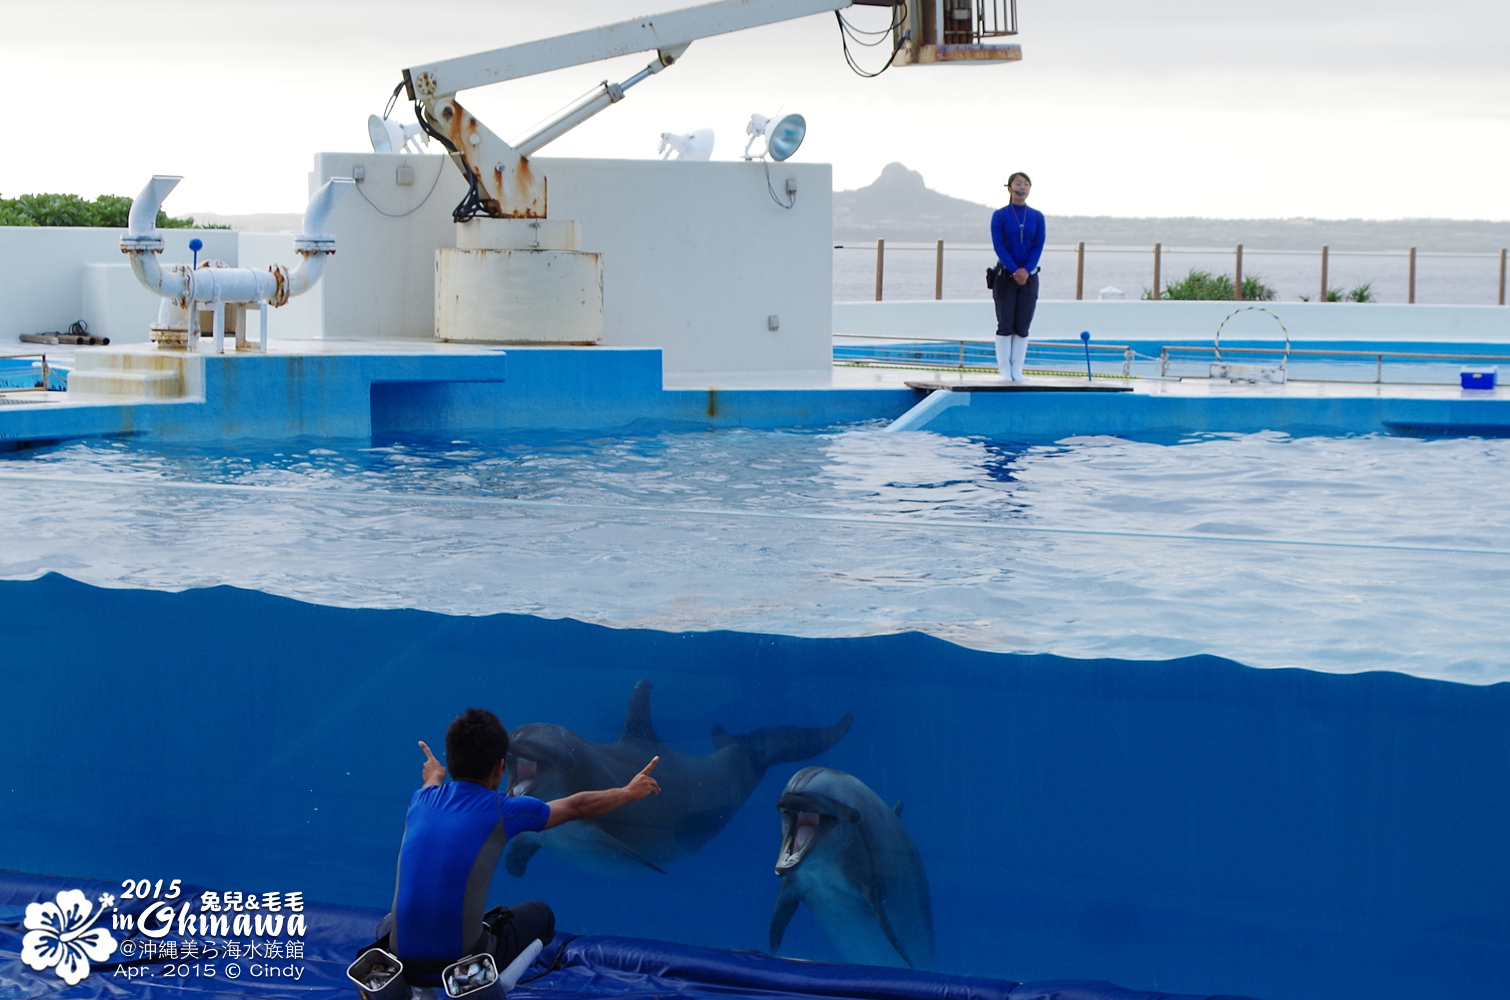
(518, 281)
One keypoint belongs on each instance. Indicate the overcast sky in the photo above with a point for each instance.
(1326, 108)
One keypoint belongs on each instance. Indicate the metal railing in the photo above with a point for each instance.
(963, 354)
(1076, 270)
(1165, 359)
(42, 386)
(966, 354)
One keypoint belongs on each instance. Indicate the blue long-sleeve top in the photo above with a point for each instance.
(1018, 234)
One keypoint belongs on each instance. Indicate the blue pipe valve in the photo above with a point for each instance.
(1085, 338)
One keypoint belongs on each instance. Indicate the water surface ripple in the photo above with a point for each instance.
(1330, 553)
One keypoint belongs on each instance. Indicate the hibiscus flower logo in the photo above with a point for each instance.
(62, 935)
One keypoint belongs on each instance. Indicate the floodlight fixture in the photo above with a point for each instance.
(389, 136)
(782, 136)
(695, 145)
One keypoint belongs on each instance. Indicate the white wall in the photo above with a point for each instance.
(696, 257)
(1142, 320)
(50, 277)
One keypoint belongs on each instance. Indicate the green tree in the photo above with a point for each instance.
(108, 211)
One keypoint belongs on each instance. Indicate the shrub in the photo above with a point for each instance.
(108, 211)
(1204, 285)
(1360, 293)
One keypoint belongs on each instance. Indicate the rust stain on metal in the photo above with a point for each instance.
(712, 403)
(280, 285)
(524, 193)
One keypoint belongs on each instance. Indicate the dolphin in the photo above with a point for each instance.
(846, 855)
(698, 795)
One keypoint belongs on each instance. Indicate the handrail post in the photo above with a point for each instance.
(880, 266)
(1324, 249)
(1237, 284)
(1079, 271)
(1378, 369)
(938, 272)
(961, 355)
(1502, 275)
(1163, 361)
(1157, 249)
(1127, 360)
(1412, 294)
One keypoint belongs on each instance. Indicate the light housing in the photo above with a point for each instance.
(695, 145)
(389, 136)
(782, 136)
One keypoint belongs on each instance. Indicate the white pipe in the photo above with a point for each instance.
(315, 244)
(220, 285)
(143, 218)
(317, 215)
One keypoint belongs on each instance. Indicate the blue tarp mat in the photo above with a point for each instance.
(572, 968)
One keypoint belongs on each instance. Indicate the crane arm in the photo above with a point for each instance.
(662, 32)
(500, 181)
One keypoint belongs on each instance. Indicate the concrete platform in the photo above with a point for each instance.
(1041, 384)
(355, 389)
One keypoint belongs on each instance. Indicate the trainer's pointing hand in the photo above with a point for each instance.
(432, 771)
(643, 784)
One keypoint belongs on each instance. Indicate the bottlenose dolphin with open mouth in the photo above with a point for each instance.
(847, 856)
(698, 795)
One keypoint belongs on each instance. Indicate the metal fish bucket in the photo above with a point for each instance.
(474, 977)
(379, 976)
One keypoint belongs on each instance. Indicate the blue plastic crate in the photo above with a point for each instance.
(1480, 378)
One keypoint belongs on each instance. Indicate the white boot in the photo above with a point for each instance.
(1018, 352)
(1004, 358)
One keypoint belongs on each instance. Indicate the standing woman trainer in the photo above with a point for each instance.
(1017, 232)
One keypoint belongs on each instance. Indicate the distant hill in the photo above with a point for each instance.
(899, 206)
(260, 221)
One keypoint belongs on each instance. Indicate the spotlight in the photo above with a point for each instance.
(781, 137)
(695, 145)
(391, 137)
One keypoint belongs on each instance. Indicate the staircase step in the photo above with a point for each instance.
(126, 384)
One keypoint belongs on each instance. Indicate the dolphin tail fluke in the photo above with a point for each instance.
(783, 744)
(786, 906)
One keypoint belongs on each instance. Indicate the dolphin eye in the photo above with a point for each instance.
(854, 816)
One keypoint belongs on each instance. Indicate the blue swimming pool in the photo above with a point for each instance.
(1328, 553)
(219, 661)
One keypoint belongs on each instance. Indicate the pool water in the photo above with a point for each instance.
(1338, 554)
(217, 665)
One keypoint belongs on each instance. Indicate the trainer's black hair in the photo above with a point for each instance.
(475, 742)
(1017, 175)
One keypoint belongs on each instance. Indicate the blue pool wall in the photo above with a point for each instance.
(346, 395)
(1190, 825)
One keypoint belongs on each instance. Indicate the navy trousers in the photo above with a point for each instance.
(1014, 305)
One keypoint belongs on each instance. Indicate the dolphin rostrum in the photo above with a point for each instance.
(698, 795)
(846, 855)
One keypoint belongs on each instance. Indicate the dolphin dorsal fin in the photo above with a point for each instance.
(897, 808)
(637, 724)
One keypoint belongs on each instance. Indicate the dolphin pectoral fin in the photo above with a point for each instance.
(885, 922)
(516, 857)
(897, 808)
(782, 744)
(637, 725)
(599, 839)
(786, 906)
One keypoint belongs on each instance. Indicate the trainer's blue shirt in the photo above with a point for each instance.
(1018, 232)
(454, 835)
